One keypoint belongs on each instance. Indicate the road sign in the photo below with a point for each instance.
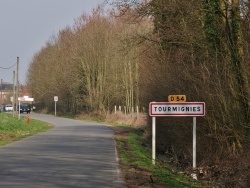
(29, 99)
(177, 109)
(20, 99)
(25, 99)
(55, 98)
(177, 98)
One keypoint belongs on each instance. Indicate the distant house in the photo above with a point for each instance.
(7, 92)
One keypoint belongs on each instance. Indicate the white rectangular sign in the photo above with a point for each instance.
(25, 99)
(20, 99)
(29, 99)
(177, 109)
(55, 98)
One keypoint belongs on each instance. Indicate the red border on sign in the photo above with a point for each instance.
(178, 104)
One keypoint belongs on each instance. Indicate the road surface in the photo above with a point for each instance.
(74, 154)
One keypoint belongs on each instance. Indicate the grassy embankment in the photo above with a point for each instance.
(137, 157)
(12, 129)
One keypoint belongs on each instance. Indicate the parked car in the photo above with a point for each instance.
(25, 108)
(8, 108)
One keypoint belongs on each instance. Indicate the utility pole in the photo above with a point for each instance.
(17, 84)
(14, 94)
(1, 92)
(1, 108)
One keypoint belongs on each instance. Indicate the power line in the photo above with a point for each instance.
(8, 67)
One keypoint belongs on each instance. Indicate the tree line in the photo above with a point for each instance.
(92, 66)
(143, 51)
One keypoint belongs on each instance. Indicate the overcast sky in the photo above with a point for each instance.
(26, 25)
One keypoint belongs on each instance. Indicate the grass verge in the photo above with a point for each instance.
(12, 129)
(135, 159)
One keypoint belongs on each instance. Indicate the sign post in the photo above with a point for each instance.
(153, 139)
(55, 99)
(194, 142)
(184, 109)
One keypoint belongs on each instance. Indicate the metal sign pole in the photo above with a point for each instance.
(55, 108)
(194, 175)
(55, 99)
(153, 139)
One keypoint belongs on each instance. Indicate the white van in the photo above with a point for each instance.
(8, 108)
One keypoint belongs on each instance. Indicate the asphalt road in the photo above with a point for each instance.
(73, 154)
